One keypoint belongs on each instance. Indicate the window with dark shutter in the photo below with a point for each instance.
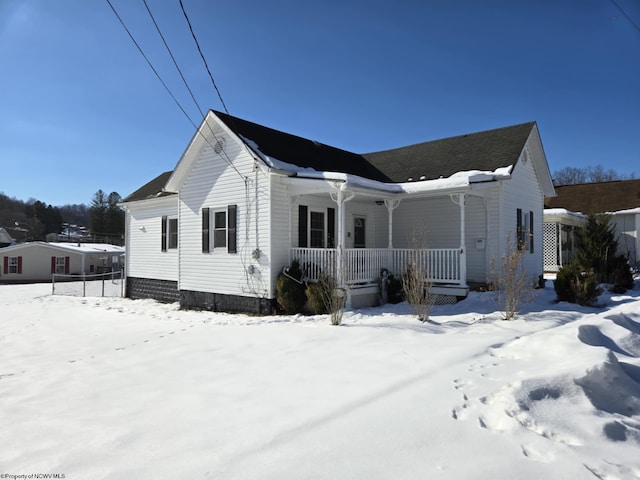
(519, 230)
(302, 226)
(219, 229)
(232, 214)
(173, 233)
(205, 230)
(164, 234)
(5, 269)
(19, 264)
(331, 228)
(530, 232)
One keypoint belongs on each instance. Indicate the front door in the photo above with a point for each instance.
(359, 232)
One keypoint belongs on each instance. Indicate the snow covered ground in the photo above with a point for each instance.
(109, 388)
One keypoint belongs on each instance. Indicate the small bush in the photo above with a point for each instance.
(290, 289)
(394, 286)
(575, 285)
(316, 301)
(621, 275)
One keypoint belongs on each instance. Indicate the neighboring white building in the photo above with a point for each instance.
(245, 200)
(620, 199)
(37, 261)
(5, 238)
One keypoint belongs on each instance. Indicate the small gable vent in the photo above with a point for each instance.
(219, 146)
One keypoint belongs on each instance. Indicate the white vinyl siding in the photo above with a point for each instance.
(144, 232)
(523, 192)
(212, 183)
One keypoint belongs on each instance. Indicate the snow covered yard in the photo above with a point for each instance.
(94, 388)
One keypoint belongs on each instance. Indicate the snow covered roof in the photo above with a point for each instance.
(5, 237)
(82, 248)
(486, 152)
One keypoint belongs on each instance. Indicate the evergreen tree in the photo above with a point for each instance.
(98, 213)
(597, 246)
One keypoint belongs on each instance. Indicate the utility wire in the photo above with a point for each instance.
(635, 25)
(151, 66)
(173, 58)
(203, 59)
(228, 160)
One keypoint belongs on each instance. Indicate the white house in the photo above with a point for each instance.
(245, 200)
(567, 211)
(37, 261)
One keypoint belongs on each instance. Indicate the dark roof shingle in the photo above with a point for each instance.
(485, 151)
(152, 189)
(597, 197)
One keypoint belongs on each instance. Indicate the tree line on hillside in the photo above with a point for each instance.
(589, 174)
(33, 220)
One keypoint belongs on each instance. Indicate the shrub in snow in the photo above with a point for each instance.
(574, 284)
(290, 289)
(315, 297)
(392, 285)
(509, 281)
(332, 296)
(621, 275)
(416, 282)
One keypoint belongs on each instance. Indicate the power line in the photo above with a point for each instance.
(635, 25)
(203, 59)
(151, 65)
(226, 157)
(173, 58)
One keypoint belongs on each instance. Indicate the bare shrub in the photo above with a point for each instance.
(333, 296)
(509, 280)
(416, 281)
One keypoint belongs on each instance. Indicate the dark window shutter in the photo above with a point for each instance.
(19, 264)
(164, 233)
(205, 230)
(302, 226)
(66, 265)
(232, 221)
(519, 228)
(6, 265)
(331, 228)
(53, 264)
(531, 232)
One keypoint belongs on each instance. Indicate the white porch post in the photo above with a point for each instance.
(341, 197)
(463, 247)
(391, 205)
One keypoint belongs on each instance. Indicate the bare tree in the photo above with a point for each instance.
(576, 175)
(509, 280)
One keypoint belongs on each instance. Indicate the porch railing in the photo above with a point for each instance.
(364, 264)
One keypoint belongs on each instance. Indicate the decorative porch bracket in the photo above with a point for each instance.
(459, 199)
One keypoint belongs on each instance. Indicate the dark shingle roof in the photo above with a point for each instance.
(597, 197)
(153, 189)
(301, 151)
(485, 151)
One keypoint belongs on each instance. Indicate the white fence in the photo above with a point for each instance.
(95, 285)
(364, 264)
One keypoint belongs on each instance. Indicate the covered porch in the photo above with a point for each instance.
(354, 236)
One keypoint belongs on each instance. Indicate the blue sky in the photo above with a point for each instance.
(80, 110)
